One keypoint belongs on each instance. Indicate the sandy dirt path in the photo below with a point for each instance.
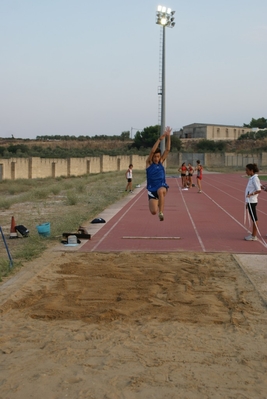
(125, 325)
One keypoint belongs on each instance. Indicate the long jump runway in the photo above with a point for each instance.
(213, 221)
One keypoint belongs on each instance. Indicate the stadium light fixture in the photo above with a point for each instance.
(164, 18)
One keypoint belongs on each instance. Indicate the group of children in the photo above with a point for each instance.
(157, 187)
(187, 175)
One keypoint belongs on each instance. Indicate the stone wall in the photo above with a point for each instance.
(218, 160)
(31, 168)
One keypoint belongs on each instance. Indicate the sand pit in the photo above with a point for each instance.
(125, 325)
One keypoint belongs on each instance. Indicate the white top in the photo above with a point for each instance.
(129, 174)
(253, 185)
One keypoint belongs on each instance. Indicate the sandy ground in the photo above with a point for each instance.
(125, 325)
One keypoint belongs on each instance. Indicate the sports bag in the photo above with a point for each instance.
(22, 230)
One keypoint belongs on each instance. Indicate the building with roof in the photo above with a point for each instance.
(212, 132)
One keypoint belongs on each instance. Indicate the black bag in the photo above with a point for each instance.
(22, 230)
(98, 220)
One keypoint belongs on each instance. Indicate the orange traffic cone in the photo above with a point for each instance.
(13, 232)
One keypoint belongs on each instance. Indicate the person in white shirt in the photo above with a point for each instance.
(251, 195)
(129, 177)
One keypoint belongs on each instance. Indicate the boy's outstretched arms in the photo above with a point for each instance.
(167, 133)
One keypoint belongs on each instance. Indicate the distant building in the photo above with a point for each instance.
(211, 132)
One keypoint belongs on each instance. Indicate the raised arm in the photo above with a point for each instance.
(167, 133)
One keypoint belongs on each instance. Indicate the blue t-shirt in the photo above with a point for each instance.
(155, 175)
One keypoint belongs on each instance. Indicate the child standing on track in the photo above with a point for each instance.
(129, 177)
(252, 190)
(183, 170)
(155, 172)
(199, 169)
(190, 175)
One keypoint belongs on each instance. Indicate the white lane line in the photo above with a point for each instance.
(192, 221)
(233, 218)
(151, 238)
(232, 185)
(115, 224)
(231, 196)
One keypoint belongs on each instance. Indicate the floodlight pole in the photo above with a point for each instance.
(164, 17)
(162, 127)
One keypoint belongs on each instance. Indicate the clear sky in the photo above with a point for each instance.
(91, 68)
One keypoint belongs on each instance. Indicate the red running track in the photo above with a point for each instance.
(212, 221)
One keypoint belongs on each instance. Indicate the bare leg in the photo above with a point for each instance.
(199, 184)
(161, 193)
(254, 229)
(153, 206)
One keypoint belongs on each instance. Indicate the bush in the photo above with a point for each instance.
(211, 146)
(72, 198)
(259, 135)
(5, 203)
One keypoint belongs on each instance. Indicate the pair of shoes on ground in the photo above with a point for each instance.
(161, 216)
(251, 238)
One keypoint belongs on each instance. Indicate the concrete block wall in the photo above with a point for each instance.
(214, 160)
(31, 168)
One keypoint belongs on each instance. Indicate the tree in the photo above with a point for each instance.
(176, 143)
(125, 135)
(147, 137)
(260, 123)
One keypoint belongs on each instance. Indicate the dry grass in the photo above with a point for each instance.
(65, 203)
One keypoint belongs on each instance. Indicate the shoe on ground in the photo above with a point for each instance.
(251, 238)
(185, 188)
(161, 216)
(130, 191)
(199, 191)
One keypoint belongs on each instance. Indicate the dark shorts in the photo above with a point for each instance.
(252, 211)
(199, 177)
(129, 180)
(183, 174)
(154, 194)
(190, 174)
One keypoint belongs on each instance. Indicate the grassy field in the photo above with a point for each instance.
(66, 203)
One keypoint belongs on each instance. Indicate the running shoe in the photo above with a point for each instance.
(199, 191)
(251, 238)
(161, 216)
